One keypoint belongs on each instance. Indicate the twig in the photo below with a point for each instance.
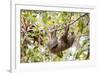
(71, 22)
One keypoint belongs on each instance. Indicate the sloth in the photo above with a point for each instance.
(66, 41)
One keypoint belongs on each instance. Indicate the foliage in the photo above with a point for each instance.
(35, 26)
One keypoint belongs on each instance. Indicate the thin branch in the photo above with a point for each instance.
(71, 22)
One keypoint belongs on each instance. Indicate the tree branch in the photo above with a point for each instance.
(71, 22)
